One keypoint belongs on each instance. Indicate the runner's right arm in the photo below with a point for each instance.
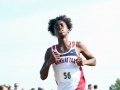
(50, 58)
(45, 68)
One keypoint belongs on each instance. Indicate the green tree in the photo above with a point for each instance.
(112, 87)
(115, 86)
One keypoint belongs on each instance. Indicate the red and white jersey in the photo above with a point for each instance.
(68, 75)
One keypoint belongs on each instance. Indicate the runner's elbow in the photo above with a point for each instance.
(43, 78)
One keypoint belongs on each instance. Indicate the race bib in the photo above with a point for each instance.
(67, 75)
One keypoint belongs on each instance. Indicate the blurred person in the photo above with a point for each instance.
(65, 57)
(2, 87)
(16, 86)
(9, 88)
(23, 89)
(6, 86)
(33, 89)
(95, 87)
(89, 86)
(39, 88)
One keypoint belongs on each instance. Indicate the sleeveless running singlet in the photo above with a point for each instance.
(68, 75)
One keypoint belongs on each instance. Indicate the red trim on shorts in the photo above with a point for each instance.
(81, 84)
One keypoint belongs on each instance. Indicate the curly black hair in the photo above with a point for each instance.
(52, 22)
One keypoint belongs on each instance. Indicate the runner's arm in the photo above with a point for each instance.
(90, 59)
(46, 66)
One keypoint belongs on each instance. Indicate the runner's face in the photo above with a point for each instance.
(60, 28)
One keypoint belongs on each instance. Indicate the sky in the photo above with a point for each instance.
(24, 39)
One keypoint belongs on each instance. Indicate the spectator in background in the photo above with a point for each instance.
(16, 85)
(33, 89)
(24, 89)
(39, 88)
(6, 86)
(9, 88)
(95, 87)
(89, 86)
(3, 88)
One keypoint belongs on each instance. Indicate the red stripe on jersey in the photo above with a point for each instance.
(81, 85)
(73, 44)
(53, 48)
(56, 82)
